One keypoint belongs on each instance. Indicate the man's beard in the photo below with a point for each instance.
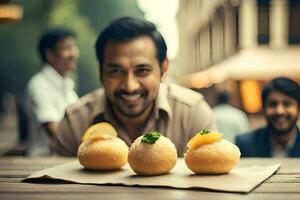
(126, 112)
(279, 132)
(132, 114)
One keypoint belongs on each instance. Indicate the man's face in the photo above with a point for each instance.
(131, 75)
(65, 55)
(281, 112)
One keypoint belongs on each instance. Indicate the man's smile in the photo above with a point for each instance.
(131, 97)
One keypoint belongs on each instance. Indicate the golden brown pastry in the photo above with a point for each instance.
(101, 149)
(152, 154)
(208, 153)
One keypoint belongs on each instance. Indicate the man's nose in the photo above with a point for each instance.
(280, 109)
(131, 83)
(75, 52)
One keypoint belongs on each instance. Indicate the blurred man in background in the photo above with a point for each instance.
(281, 137)
(133, 66)
(230, 120)
(50, 91)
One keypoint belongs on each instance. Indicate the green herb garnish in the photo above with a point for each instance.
(151, 137)
(204, 131)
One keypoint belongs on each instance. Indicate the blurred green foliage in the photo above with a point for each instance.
(66, 13)
(19, 58)
(108, 10)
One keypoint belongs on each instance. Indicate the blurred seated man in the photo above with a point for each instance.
(230, 120)
(133, 66)
(50, 90)
(281, 137)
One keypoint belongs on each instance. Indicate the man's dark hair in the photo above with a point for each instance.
(128, 28)
(50, 38)
(223, 97)
(284, 85)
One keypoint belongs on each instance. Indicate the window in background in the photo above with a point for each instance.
(263, 22)
(294, 22)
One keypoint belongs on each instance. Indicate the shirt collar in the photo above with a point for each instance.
(56, 78)
(162, 103)
(289, 145)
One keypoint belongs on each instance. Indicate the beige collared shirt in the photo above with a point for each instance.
(179, 113)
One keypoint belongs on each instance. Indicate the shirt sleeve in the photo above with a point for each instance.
(70, 130)
(64, 142)
(201, 118)
(42, 105)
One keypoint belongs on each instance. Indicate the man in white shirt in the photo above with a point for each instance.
(50, 91)
(230, 120)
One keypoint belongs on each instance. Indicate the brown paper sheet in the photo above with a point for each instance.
(238, 180)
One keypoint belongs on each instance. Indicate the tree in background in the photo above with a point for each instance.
(104, 11)
(66, 13)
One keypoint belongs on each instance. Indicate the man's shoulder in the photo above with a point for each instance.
(36, 80)
(184, 95)
(250, 136)
(89, 101)
(38, 87)
(254, 144)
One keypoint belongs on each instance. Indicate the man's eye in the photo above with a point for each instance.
(287, 104)
(143, 71)
(272, 104)
(68, 47)
(114, 71)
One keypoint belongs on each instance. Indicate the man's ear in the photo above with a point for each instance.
(164, 69)
(100, 74)
(50, 56)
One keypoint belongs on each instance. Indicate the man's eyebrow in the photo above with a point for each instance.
(272, 102)
(113, 65)
(144, 65)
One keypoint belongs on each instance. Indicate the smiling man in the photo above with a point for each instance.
(135, 99)
(281, 137)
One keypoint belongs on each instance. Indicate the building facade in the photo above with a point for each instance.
(233, 43)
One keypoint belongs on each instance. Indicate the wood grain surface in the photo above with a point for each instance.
(285, 184)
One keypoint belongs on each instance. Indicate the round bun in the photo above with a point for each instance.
(152, 159)
(214, 158)
(103, 154)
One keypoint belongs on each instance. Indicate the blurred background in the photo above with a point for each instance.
(237, 46)
(214, 45)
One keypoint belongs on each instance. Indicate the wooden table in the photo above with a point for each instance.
(285, 184)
